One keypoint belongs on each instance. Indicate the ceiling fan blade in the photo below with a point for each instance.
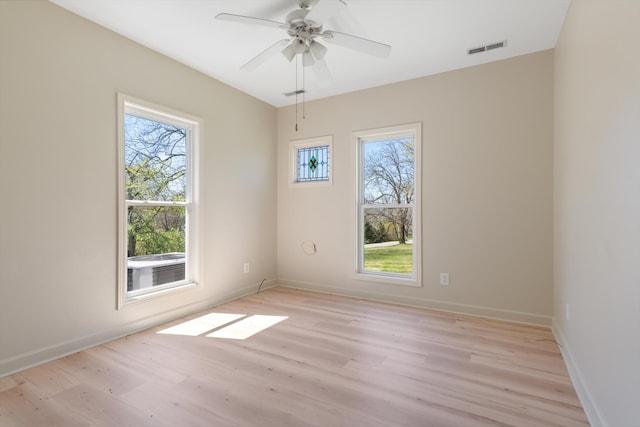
(264, 55)
(274, 8)
(324, 9)
(321, 71)
(348, 23)
(370, 47)
(250, 20)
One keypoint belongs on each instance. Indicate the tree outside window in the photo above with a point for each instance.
(155, 157)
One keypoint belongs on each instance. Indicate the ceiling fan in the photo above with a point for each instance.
(304, 27)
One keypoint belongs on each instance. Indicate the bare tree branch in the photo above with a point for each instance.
(389, 179)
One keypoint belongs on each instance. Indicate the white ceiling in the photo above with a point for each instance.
(427, 37)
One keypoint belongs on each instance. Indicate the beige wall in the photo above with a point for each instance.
(487, 189)
(59, 76)
(597, 206)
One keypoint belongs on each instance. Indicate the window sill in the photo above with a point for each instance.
(389, 279)
(128, 301)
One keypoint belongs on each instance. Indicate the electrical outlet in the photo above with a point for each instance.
(247, 267)
(444, 279)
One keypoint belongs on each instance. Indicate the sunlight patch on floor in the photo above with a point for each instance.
(202, 324)
(247, 327)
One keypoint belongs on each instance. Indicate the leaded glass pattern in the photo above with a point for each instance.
(312, 164)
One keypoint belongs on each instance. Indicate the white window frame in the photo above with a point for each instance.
(148, 110)
(294, 146)
(380, 134)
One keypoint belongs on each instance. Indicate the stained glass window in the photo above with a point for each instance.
(313, 164)
(311, 161)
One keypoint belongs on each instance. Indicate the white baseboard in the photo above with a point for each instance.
(588, 404)
(466, 309)
(42, 355)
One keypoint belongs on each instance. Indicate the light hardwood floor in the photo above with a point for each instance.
(333, 361)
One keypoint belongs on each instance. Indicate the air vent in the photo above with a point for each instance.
(476, 50)
(496, 45)
(485, 48)
(295, 92)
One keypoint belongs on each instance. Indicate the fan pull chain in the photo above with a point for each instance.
(304, 88)
(296, 95)
(300, 63)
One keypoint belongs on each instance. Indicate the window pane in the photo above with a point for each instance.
(388, 171)
(158, 219)
(388, 240)
(313, 164)
(388, 191)
(155, 230)
(156, 246)
(155, 160)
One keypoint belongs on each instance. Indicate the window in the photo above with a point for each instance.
(158, 211)
(310, 161)
(388, 204)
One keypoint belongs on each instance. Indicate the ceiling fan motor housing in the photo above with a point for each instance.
(300, 28)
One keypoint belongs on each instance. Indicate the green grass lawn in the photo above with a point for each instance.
(390, 259)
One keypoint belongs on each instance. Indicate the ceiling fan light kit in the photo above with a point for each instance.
(303, 27)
